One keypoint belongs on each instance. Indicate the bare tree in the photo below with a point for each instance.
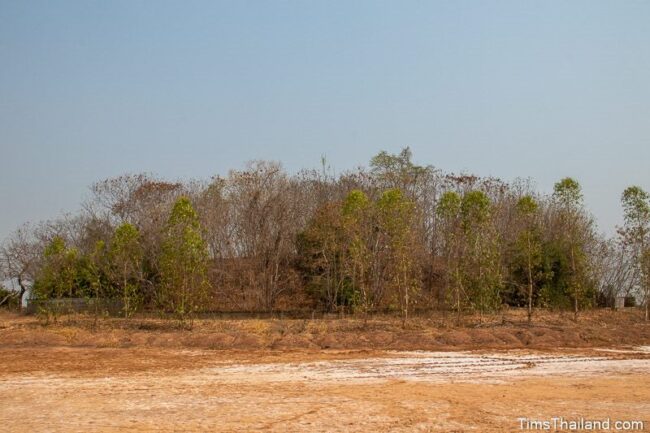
(19, 257)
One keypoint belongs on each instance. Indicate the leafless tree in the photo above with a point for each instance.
(19, 258)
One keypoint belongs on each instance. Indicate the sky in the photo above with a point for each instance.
(188, 89)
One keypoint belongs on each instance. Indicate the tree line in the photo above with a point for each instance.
(396, 236)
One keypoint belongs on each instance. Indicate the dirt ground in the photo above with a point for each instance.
(509, 330)
(144, 376)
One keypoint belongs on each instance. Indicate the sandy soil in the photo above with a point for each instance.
(69, 389)
(341, 375)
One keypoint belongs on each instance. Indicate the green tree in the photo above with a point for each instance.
(126, 257)
(58, 275)
(358, 226)
(94, 269)
(481, 261)
(183, 262)
(397, 171)
(396, 220)
(322, 250)
(636, 212)
(568, 196)
(448, 210)
(528, 247)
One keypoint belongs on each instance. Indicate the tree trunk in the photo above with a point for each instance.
(406, 306)
(459, 287)
(126, 306)
(530, 302)
(575, 286)
(530, 284)
(23, 289)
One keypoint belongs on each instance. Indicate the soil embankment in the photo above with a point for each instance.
(506, 331)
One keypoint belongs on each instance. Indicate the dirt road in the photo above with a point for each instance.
(144, 389)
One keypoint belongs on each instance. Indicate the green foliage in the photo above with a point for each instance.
(396, 212)
(126, 257)
(358, 251)
(475, 210)
(448, 211)
(392, 237)
(561, 276)
(384, 162)
(66, 273)
(90, 279)
(526, 262)
(481, 268)
(9, 297)
(396, 218)
(568, 192)
(449, 205)
(472, 250)
(527, 206)
(636, 212)
(636, 207)
(183, 262)
(323, 251)
(555, 292)
(358, 228)
(396, 171)
(61, 272)
(355, 203)
(55, 248)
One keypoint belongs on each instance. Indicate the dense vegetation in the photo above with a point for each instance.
(397, 236)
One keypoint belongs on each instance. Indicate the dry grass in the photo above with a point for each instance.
(435, 332)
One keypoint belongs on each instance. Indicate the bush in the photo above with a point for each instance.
(12, 299)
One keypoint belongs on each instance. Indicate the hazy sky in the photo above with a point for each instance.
(93, 89)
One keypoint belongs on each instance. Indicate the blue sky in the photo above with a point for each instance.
(93, 89)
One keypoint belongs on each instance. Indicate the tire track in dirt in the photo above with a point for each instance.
(435, 366)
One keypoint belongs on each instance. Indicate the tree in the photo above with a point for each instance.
(19, 259)
(58, 276)
(125, 257)
(398, 171)
(396, 221)
(362, 266)
(268, 213)
(448, 210)
(183, 262)
(389, 236)
(481, 261)
(528, 247)
(636, 212)
(645, 273)
(322, 250)
(61, 276)
(97, 270)
(143, 201)
(616, 267)
(568, 196)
